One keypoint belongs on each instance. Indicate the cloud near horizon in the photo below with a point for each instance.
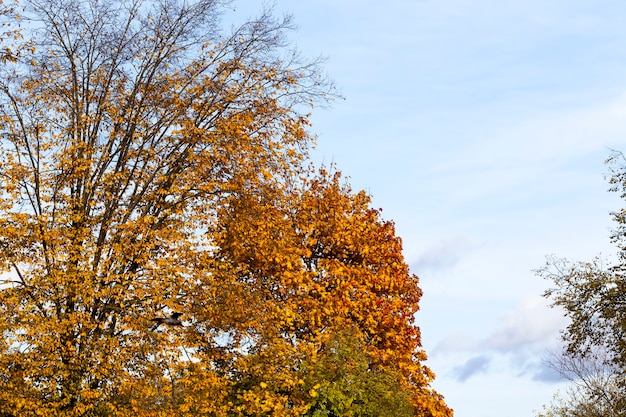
(521, 337)
(532, 324)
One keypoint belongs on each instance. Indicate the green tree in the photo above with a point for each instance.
(593, 296)
(342, 382)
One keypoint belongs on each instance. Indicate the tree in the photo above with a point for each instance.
(325, 264)
(343, 384)
(121, 133)
(594, 389)
(150, 165)
(10, 36)
(593, 296)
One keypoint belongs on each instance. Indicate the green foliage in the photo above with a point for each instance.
(343, 383)
(593, 296)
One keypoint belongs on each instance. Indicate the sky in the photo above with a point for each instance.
(481, 128)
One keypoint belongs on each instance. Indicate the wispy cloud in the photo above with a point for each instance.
(529, 325)
(541, 372)
(443, 255)
(473, 366)
(521, 338)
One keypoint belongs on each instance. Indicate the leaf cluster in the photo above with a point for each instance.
(151, 164)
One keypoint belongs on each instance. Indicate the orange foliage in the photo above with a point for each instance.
(148, 168)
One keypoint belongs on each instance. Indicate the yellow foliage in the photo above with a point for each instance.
(147, 170)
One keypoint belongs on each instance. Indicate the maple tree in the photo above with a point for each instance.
(149, 165)
(323, 262)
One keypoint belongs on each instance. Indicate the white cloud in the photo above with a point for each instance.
(520, 338)
(532, 324)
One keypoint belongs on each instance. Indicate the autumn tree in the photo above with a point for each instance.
(321, 263)
(10, 33)
(121, 133)
(151, 164)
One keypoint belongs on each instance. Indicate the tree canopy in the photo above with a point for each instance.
(593, 293)
(152, 163)
(593, 296)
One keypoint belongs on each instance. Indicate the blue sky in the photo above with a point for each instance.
(481, 128)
